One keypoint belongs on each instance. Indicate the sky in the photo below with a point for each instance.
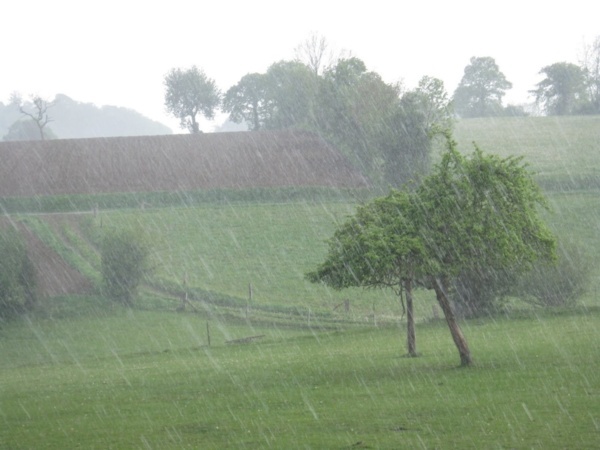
(118, 52)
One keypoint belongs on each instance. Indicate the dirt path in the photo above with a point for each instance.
(54, 275)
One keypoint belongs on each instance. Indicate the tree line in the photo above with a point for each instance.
(382, 128)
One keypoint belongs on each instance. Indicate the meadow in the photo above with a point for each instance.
(83, 372)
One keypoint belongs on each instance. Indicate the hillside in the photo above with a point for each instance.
(72, 119)
(563, 151)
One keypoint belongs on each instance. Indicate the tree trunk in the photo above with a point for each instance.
(411, 341)
(440, 287)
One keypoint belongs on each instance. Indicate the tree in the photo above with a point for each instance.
(290, 95)
(480, 211)
(591, 67)
(37, 112)
(434, 103)
(563, 90)
(247, 101)
(314, 52)
(470, 212)
(480, 91)
(17, 275)
(377, 248)
(190, 93)
(124, 263)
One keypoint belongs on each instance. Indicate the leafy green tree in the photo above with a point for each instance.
(17, 275)
(475, 212)
(190, 93)
(471, 212)
(360, 114)
(433, 101)
(125, 263)
(480, 91)
(291, 89)
(563, 90)
(247, 101)
(379, 247)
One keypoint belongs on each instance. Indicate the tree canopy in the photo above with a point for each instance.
(471, 211)
(480, 91)
(563, 91)
(384, 130)
(190, 93)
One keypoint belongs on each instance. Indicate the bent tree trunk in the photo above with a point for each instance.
(440, 287)
(411, 341)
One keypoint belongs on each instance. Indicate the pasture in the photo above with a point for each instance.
(83, 372)
(146, 379)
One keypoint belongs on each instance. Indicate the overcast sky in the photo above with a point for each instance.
(117, 52)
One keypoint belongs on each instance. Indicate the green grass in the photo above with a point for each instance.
(224, 249)
(148, 380)
(563, 151)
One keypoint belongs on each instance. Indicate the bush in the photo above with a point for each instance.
(557, 284)
(124, 264)
(17, 275)
(481, 291)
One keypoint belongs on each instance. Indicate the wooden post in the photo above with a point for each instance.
(249, 299)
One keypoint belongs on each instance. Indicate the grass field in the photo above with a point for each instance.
(147, 380)
(85, 373)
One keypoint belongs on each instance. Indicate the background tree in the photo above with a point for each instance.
(17, 275)
(290, 95)
(384, 132)
(563, 90)
(480, 91)
(190, 93)
(591, 67)
(314, 52)
(247, 101)
(37, 111)
(125, 263)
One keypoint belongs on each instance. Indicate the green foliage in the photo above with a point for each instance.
(189, 93)
(480, 91)
(482, 211)
(563, 90)
(125, 263)
(384, 132)
(378, 247)
(247, 101)
(17, 275)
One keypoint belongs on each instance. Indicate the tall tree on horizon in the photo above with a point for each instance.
(190, 93)
(480, 91)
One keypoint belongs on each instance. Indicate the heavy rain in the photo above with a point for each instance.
(299, 226)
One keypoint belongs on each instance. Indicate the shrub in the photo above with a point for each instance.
(17, 275)
(124, 264)
(558, 284)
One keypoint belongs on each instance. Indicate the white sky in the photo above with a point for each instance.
(117, 52)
